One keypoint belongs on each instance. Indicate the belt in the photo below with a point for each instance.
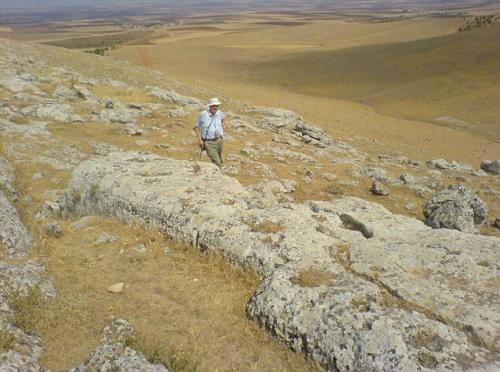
(211, 139)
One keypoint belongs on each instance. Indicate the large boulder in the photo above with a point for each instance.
(455, 208)
(347, 282)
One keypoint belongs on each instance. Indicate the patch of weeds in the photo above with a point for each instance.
(319, 218)
(312, 278)
(156, 353)
(28, 310)
(343, 256)
(7, 341)
(428, 339)
(265, 227)
(427, 360)
(334, 190)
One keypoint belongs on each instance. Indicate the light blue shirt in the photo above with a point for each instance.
(210, 131)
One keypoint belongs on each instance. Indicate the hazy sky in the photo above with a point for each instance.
(48, 4)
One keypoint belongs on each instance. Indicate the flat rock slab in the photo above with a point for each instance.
(347, 282)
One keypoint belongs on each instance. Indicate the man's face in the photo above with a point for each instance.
(213, 109)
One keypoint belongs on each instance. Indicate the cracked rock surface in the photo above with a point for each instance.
(398, 295)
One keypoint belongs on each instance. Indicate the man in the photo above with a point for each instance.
(209, 129)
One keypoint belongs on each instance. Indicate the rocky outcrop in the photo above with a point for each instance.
(455, 208)
(13, 234)
(7, 178)
(174, 97)
(113, 354)
(346, 282)
(278, 120)
(24, 351)
(57, 111)
(456, 166)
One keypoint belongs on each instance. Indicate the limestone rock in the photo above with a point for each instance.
(84, 92)
(65, 92)
(312, 132)
(57, 111)
(378, 188)
(83, 223)
(13, 234)
(395, 298)
(21, 279)
(54, 230)
(274, 112)
(491, 166)
(105, 238)
(277, 120)
(455, 208)
(25, 354)
(113, 354)
(7, 178)
(116, 288)
(452, 165)
(174, 97)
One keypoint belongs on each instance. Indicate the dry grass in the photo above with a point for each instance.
(28, 310)
(312, 278)
(187, 309)
(266, 227)
(7, 341)
(155, 352)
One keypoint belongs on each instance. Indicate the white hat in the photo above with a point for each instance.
(214, 102)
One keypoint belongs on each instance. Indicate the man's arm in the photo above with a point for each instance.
(198, 136)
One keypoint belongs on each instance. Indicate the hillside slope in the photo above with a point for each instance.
(453, 79)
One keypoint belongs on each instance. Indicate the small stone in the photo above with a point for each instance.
(378, 188)
(162, 146)
(83, 223)
(334, 190)
(141, 248)
(116, 288)
(105, 238)
(167, 251)
(54, 230)
(407, 178)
